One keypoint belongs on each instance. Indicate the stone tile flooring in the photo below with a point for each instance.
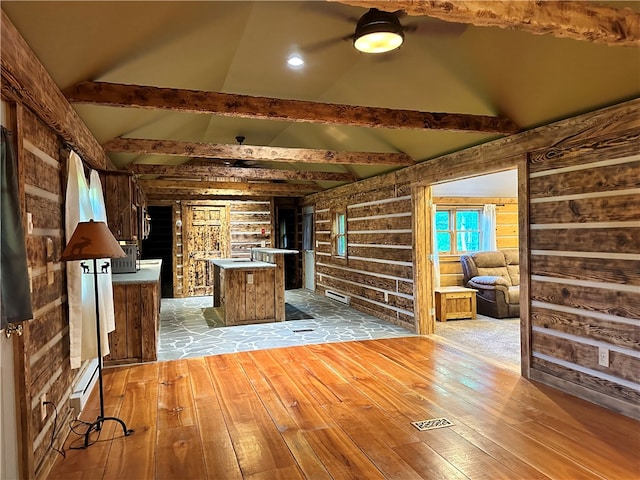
(191, 327)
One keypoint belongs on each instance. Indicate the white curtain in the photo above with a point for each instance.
(434, 248)
(105, 287)
(80, 288)
(488, 227)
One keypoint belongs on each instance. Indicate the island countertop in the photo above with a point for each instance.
(240, 263)
(149, 273)
(272, 251)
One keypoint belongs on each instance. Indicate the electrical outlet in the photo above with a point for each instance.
(603, 357)
(43, 407)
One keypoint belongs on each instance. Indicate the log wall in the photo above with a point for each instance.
(377, 272)
(42, 353)
(248, 219)
(579, 243)
(585, 265)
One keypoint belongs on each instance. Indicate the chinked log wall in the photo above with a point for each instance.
(585, 263)
(583, 289)
(377, 273)
(43, 350)
(247, 221)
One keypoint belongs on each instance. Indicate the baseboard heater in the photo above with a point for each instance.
(84, 387)
(340, 297)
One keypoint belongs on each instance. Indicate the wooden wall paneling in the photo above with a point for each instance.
(524, 248)
(118, 338)
(150, 309)
(599, 329)
(178, 252)
(247, 219)
(609, 270)
(42, 353)
(424, 309)
(584, 268)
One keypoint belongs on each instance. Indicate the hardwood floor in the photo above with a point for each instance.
(343, 411)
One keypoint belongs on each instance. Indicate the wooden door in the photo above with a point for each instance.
(207, 237)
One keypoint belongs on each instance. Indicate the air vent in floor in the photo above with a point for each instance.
(432, 423)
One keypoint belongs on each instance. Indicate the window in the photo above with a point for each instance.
(340, 234)
(458, 230)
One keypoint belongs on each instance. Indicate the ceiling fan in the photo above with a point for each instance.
(378, 31)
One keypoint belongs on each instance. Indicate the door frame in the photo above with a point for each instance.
(424, 295)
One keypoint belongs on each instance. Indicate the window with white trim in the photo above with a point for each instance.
(458, 230)
(340, 234)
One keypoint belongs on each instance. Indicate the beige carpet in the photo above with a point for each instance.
(497, 340)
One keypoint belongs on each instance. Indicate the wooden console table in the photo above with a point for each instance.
(455, 302)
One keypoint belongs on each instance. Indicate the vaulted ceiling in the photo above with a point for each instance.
(181, 78)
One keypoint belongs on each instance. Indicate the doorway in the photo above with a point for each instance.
(159, 244)
(424, 277)
(462, 209)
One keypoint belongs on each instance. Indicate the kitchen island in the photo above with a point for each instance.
(275, 256)
(136, 300)
(245, 290)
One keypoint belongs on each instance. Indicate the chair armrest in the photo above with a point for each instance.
(486, 282)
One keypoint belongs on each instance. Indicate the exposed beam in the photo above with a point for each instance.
(258, 153)
(578, 20)
(224, 104)
(226, 188)
(238, 172)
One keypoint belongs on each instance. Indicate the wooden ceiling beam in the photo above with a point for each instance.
(226, 188)
(249, 152)
(199, 171)
(578, 20)
(245, 106)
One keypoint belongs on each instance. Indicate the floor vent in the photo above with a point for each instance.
(303, 330)
(337, 296)
(432, 424)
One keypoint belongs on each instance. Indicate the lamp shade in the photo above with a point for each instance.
(92, 240)
(378, 32)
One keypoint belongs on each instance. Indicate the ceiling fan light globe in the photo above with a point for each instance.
(378, 42)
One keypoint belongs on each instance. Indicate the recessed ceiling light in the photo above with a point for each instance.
(295, 61)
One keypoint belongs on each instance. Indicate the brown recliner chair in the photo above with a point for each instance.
(496, 277)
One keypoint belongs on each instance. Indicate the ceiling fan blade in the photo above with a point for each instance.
(324, 44)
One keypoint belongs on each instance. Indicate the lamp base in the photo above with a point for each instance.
(97, 426)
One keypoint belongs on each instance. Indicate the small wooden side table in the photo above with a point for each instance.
(455, 302)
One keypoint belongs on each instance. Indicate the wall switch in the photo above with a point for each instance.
(603, 357)
(250, 278)
(29, 223)
(43, 407)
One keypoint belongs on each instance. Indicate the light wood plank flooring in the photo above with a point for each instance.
(343, 411)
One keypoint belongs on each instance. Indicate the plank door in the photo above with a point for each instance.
(207, 237)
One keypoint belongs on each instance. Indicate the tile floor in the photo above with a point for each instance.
(191, 327)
